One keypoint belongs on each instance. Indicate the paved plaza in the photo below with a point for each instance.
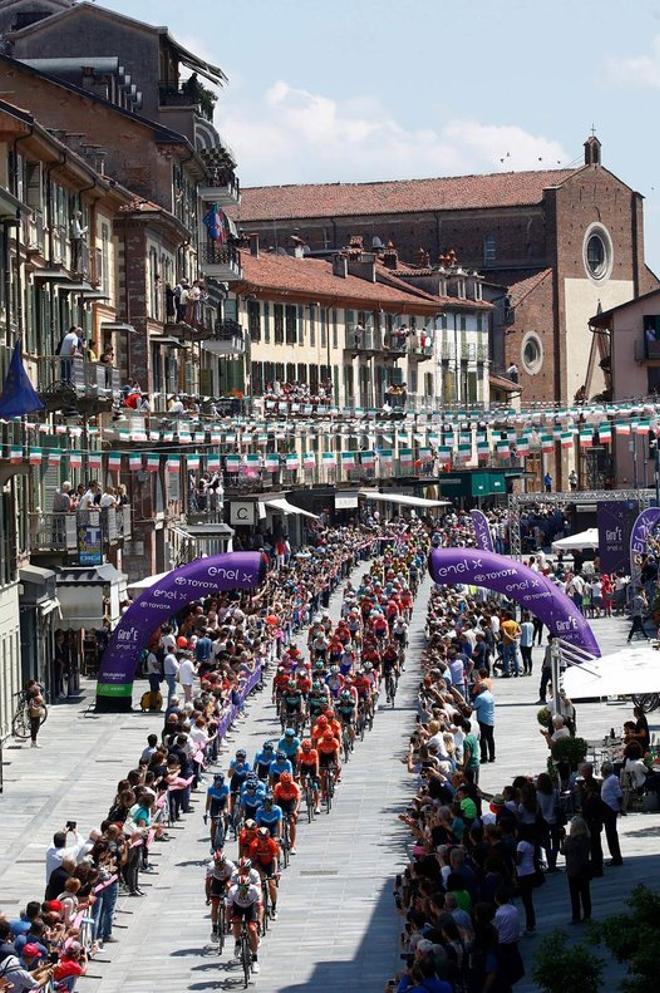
(337, 926)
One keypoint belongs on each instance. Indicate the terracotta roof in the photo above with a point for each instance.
(519, 290)
(141, 206)
(397, 279)
(284, 274)
(501, 189)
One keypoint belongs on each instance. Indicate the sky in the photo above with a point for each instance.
(354, 90)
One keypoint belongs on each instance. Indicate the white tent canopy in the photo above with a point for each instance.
(144, 584)
(284, 507)
(574, 542)
(632, 671)
(403, 499)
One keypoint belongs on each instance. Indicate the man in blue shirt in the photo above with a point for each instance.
(280, 765)
(270, 815)
(290, 745)
(217, 800)
(484, 706)
(204, 648)
(253, 792)
(264, 759)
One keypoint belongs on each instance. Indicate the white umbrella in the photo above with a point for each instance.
(585, 539)
(632, 671)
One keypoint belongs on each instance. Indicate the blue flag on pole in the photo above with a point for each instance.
(18, 395)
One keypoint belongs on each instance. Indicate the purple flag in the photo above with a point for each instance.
(615, 521)
(645, 525)
(155, 606)
(533, 591)
(482, 530)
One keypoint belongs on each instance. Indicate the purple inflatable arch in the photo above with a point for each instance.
(201, 578)
(533, 591)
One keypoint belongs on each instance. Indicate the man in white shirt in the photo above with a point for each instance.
(611, 794)
(88, 499)
(187, 675)
(176, 406)
(70, 343)
(526, 642)
(63, 848)
(170, 671)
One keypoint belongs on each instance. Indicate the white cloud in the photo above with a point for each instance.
(292, 135)
(636, 70)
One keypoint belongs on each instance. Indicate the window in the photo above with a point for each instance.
(278, 314)
(348, 384)
(257, 378)
(267, 323)
(324, 328)
(462, 323)
(490, 246)
(104, 274)
(254, 320)
(313, 379)
(532, 353)
(312, 326)
(302, 372)
(335, 337)
(154, 285)
(290, 372)
(429, 390)
(597, 252)
(279, 372)
(480, 322)
(291, 322)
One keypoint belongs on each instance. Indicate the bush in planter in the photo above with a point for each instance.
(544, 717)
(572, 751)
(560, 966)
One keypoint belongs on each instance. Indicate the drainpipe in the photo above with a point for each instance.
(19, 283)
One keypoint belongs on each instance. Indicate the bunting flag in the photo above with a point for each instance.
(173, 463)
(309, 460)
(153, 462)
(75, 460)
(522, 446)
(547, 443)
(328, 459)
(213, 463)
(622, 428)
(464, 453)
(385, 456)
(272, 461)
(586, 437)
(253, 461)
(605, 433)
(292, 460)
(232, 463)
(368, 459)
(35, 456)
(642, 427)
(114, 462)
(54, 459)
(94, 461)
(193, 463)
(483, 448)
(405, 456)
(567, 439)
(135, 462)
(347, 460)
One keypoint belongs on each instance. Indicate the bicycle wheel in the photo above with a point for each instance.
(309, 800)
(246, 960)
(265, 901)
(20, 726)
(221, 928)
(346, 744)
(44, 717)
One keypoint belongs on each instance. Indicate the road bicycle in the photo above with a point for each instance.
(346, 742)
(390, 686)
(246, 953)
(20, 725)
(328, 786)
(285, 841)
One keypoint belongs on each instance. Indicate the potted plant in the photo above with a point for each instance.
(570, 751)
(560, 966)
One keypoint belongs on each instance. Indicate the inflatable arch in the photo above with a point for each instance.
(533, 591)
(155, 606)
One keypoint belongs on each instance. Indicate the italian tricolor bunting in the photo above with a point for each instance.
(622, 427)
(586, 437)
(347, 459)
(93, 460)
(54, 459)
(75, 460)
(605, 433)
(328, 459)
(567, 439)
(309, 460)
(35, 456)
(292, 460)
(114, 462)
(173, 463)
(232, 463)
(135, 462)
(153, 463)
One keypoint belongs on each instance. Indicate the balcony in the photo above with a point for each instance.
(420, 347)
(221, 262)
(228, 339)
(36, 234)
(223, 188)
(365, 342)
(76, 383)
(59, 532)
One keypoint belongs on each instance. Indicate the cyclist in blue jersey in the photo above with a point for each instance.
(252, 793)
(290, 745)
(280, 765)
(239, 769)
(217, 804)
(270, 815)
(263, 760)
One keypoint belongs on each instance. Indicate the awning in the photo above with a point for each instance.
(213, 73)
(144, 584)
(346, 501)
(284, 507)
(56, 275)
(81, 288)
(117, 326)
(585, 539)
(10, 207)
(166, 341)
(35, 574)
(89, 594)
(403, 499)
(631, 671)
(199, 532)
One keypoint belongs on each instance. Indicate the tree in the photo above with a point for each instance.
(632, 939)
(560, 966)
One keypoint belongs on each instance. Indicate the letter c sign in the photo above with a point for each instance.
(241, 513)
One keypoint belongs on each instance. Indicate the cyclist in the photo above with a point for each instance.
(406, 598)
(303, 679)
(346, 711)
(217, 803)
(287, 795)
(335, 681)
(318, 699)
(219, 872)
(292, 706)
(379, 624)
(246, 836)
(309, 769)
(245, 868)
(280, 682)
(239, 768)
(329, 758)
(253, 792)
(263, 760)
(290, 745)
(244, 899)
(400, 633)
(280, 765)
(265, 855)
(270, 815)
(319, 646)
(390, 657)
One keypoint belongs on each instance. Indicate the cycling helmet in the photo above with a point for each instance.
(218, 777)
(334, 670)
(241, 753)
(328, 737)
(244, 865)
(306, 745)
(289, 733)
(316, 685)
(250, 786)
(268, 801)
(367, 667)
(268, 746)
(292, 684)
(279, 754)
(250, 825)
(330, 714)
(263, 832)
(322, 721)
(286, 777)
(319, 664)
(345, 695)
(252, 778)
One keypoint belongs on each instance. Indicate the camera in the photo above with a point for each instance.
(71, 825)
